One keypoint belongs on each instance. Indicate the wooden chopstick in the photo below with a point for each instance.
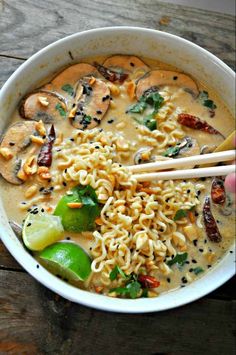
(181, 162)
(186, 174)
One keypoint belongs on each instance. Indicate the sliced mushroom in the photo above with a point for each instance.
(17, 140)
(93, 102)
(160, 78)
(188, 146)
(128, 64)
(43, 105)
(71, 75)
(143, 156)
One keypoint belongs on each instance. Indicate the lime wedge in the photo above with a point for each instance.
(41, 230)
(67, 260)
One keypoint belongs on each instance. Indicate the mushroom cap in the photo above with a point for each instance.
(17, 134)
(160, 78)
(43, 105)
(92, 103)
(128, 64)
(71, 76)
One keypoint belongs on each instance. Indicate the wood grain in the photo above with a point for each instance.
(7, 67)
(33, 316)
(27, 26)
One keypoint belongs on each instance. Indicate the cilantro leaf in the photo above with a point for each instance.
(133, 288)
(87, 119)
(203, 98)
(150, 122)
(138, 108)
(198, 270)
(60, 109)
(68, 88)
(172, 151)
(179, 259)
(115, 271)
(154, 99)
(180, 214)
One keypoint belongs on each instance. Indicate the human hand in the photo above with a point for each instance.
(230, 181)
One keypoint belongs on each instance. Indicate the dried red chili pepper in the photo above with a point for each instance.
(45, 154)
(148, 281)
(111, 75)
(212, 230)
(194, 122)
(218, 191)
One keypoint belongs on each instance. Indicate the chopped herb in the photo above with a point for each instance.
(114, 273)
(68, 88)
(87, 119)
(139, 107)
(145, 293)
(180, 214)
(197, 270)
(133, 289)
(150, 122)
(205, 101)
(60, 109)
(172, 151)
(179, 259)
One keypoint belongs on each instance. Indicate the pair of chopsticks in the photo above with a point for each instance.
(149, 175)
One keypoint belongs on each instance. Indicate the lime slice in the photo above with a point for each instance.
(41, 230)
(67, 260)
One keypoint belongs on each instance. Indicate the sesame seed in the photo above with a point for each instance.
(209, 266)
(110, 121)
(196, 214)
(11, 144)
(41, 189)
(72, 139)
(175, 77)
(37, 266)
(231, 251)
(65, 170)
(168, 280)
(195, 242)
(191, 270)
(99, 112)
(64, 183)
(23, 203)
(131, 64)
(68, 238)
(188, 191)
(184, 280)
(42, 209)
(201, 250)
(97, 147)
(28, 225)
(194, 261)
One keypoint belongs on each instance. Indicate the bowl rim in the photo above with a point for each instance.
(192, 292)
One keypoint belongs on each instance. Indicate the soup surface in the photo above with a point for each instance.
(66, 155)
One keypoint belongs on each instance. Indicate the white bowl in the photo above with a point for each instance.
(123, 40)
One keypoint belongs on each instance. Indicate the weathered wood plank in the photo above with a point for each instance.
(26, 26)
(34, 318)
(6, 260)
(7, 67)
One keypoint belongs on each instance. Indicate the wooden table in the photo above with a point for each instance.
(34, 320)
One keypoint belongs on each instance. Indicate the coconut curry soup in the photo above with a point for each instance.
(77, 207)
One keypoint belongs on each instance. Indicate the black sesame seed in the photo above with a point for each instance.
(172, 256)
(209, 266)
(182, 286)
(37, 266)
(175, 77)
(42, 209)
(190, 145)
(110, 121)
(199, 192)
(49, 180)
(201, 250)
(44, 137)
(64, 183)
(203, 179)
(41, 189)
(105, 98)
(97, 147)
(188, 191)
(196, 214)
(162, 230)
(131, 64)
(231, 251)
(23, 203)
(184, 280)
(90, 248)
(51, 188)
(195, 242)
(11, 144)
(100, 130)
(194, 261)
(28, 225)
(168, 279)
(187, 262)
(205, 241)
(99, 112)
(73, 105)
(190, 270)
(96, 119)
(72, 139)
(68, 238)
(29, 209)
(65, 170)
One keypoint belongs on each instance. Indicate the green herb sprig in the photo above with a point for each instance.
(203, 98)
(60, 109)
(179, 259)
(68, 88)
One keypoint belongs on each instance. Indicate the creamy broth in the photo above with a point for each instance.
(202, 253)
